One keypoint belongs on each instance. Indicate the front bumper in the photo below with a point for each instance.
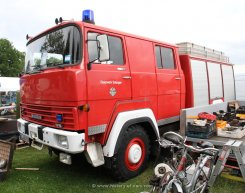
(50, 136)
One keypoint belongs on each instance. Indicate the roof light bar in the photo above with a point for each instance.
(88, 16)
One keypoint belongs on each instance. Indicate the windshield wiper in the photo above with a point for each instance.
(56, 65)
(38, 68)
(34, 71)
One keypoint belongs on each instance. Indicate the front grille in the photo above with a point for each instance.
(46, 115)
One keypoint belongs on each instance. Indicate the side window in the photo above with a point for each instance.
(164, 57)
(158, 57)
(115, 48)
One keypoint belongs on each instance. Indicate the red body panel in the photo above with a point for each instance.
(102, 79)
(129, 105)
(185, 65)
(54, 91)
(136, 84)
(56, 86)
(109, 89)
(142, 66)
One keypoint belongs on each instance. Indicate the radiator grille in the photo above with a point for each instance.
(46, 115)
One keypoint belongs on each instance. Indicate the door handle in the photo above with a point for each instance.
(177, 78)
(121, 69)
(126, 77)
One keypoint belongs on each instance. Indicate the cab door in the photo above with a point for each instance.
(107, 82)
(169, 84)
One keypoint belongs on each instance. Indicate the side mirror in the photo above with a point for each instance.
(104, 53)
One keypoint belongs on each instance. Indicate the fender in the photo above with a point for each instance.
(178, 186)
(170, 185)
(125, 119)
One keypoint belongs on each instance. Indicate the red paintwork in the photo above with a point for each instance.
(130, 165)
(169, 90)
(49, 119)
(54, 92)
(59, 90)
(55, 86)
(127, 105)
(142, 67)
(100, 80)
(186, 67)
(181, 165)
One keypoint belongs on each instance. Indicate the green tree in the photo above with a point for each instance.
(11, 60)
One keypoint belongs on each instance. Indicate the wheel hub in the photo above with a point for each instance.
(135, 153)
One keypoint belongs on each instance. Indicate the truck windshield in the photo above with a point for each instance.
(56, 49)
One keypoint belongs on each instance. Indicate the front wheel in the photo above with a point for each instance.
(202, 176)
(133, 153)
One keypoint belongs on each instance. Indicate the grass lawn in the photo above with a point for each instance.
(54, 176)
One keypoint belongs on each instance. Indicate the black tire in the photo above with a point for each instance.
(122, 169)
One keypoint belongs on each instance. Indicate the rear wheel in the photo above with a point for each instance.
(133, 153)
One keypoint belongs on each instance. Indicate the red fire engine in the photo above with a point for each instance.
(105, 93)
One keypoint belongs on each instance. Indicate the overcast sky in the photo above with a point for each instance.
(216, 24)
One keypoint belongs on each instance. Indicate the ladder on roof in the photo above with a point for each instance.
(238, 149)
(202, 52)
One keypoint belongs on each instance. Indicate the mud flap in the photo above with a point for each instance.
(94, 154)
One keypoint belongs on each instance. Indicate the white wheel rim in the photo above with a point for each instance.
(134, 154)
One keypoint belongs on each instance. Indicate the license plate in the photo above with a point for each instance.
(34, 116)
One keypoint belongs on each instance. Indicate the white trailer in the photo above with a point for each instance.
(9, 84)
